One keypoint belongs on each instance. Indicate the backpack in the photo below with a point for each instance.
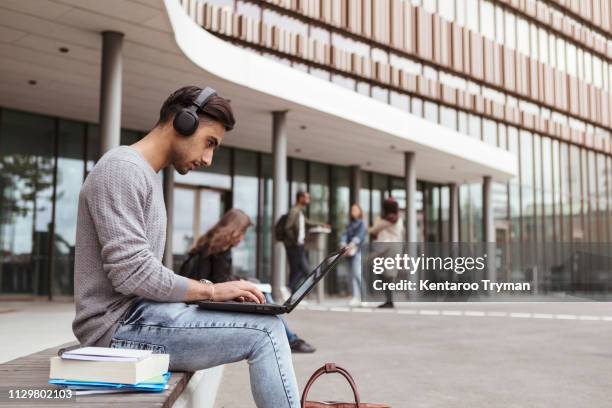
(279, 228)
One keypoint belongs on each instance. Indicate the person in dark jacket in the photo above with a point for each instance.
(296, 227)
(211, 258)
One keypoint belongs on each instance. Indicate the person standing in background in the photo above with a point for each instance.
(295, 232)
(354, 236)
(388, 228)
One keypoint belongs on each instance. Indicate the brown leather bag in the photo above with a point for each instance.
(333, 368)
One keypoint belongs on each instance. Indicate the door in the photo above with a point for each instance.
(196, 210)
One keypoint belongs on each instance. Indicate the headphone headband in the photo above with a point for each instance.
(203, 97)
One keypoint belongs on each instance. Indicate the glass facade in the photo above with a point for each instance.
(43, 162)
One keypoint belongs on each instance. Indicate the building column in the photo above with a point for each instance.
(488, 227)
(355, 184)
(279, 196)
(110, 91)
(169, 200)
(453, 213)
(410, 186)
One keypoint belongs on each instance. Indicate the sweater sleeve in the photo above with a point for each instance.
(121, 194)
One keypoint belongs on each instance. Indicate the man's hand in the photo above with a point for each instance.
(233, 290)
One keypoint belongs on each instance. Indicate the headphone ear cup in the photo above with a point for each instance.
(185, 122)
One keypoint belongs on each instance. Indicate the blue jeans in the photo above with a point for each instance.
(291, 336)
(197, 339)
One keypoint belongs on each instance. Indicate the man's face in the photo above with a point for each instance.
(305, 200)
(197, 150)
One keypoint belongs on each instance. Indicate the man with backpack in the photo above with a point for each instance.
(291, 229)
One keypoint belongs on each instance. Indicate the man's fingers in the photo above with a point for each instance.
(253, 289)
(249, 296)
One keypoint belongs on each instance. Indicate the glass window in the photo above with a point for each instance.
(245, 193)
(463, 123)
(26, 186)
(571, 59)
(472, 15)
(522, 34)
(343, 81)
(560, 54)
(431, 111)
(363, 88)
(474, 126)
(299, 181)
(400, 101)
(526, 158)
(510, 38)
(447, 9)
(381, 94)
(448, 117)
(69, 178)
(543, 46)
(487, 19)
(340, 202)
(499, 24)
(417, 106)
(245, 8)
(460, 11)
(319, 192)
(489, 132)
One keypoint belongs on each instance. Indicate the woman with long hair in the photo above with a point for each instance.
(353, 237)
(211, 258)
(388, 228)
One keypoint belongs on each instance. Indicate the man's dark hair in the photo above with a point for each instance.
(300, 194)
(216, 109)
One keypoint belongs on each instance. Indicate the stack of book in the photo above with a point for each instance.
(97, 370)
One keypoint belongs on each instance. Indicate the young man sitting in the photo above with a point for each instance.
(125, 297)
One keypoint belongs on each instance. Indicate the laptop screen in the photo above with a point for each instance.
(306, 284)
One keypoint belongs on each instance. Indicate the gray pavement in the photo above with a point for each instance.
(466, 355)
(419, 355)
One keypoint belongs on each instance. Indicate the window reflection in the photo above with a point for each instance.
(26, 186)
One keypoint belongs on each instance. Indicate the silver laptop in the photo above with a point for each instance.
(302, 290)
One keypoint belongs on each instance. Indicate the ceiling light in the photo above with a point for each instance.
(64, 50)
(303, 127)
(32, 82)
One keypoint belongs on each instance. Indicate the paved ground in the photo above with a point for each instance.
(455, 355)
(420, 355)
(28, 327)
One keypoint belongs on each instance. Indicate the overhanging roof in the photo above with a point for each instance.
(164, 49)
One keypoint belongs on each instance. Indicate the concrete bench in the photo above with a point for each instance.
(32, 372)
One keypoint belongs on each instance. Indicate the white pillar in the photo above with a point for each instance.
(110, 91)
(169, 200)
(488, 233)
(410, 186)
(279, 196)
(453, 213)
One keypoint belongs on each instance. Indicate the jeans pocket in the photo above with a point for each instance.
(138, 345)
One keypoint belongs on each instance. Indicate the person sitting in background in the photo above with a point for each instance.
(354, 236)
(389, 228)
(211, 258)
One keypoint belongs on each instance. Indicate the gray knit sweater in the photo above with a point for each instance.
(121, 233)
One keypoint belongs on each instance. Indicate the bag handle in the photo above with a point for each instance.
(327, 369)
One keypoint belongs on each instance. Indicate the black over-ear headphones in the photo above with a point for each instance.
(186, 120)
